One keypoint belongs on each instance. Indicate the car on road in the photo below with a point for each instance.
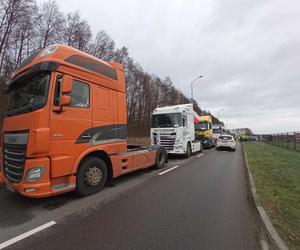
(226, 142)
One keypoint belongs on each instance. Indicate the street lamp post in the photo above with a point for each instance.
(192, 94)
(221, 110)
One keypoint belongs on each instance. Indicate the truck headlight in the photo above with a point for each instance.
(35, 174)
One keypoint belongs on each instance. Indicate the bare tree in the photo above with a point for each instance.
(72, 20)
(23, 36)
(103, 46)
(83, 35)
(11, 13)
(51, 23)
(121, 55)
(77, 32)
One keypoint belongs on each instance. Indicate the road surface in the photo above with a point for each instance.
(201, 203)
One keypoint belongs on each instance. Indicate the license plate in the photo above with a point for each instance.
(224, 141)
(10, 187)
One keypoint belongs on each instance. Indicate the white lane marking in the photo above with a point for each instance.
(200, 155)
(27, 234)
(168, 170)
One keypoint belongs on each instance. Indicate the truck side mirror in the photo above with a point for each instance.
(65, 100)
(66, 84)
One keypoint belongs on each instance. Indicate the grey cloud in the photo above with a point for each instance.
(248, 51)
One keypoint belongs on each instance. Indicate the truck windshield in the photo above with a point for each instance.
(29, 94)
(202, 126)
(172, 120)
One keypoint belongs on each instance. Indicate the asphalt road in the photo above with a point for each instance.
(201, 204)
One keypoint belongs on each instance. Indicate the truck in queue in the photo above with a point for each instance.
(204, 131)
(66, 126)
(217, 131)
(173, 128)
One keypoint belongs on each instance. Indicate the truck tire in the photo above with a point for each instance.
(188, 150)
(91, 176)
(161, 158)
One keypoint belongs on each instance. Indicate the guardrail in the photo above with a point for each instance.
(289, 140)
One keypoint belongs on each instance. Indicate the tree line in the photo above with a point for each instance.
(26, 26)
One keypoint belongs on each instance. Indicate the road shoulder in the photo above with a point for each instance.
(267, 226)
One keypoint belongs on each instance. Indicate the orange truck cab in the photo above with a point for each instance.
(66, 126)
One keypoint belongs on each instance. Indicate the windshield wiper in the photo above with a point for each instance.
(20, 110)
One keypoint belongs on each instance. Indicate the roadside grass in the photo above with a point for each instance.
(290, 146)
(276, 172)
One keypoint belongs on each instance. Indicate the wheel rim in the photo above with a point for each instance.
(93, 176)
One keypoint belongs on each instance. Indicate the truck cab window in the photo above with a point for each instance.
(185, 120)
(80, 95)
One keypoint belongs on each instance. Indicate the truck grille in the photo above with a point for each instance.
(14, 157)
(167, 142)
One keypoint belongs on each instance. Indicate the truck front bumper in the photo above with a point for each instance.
(177, 149)
(44, 187)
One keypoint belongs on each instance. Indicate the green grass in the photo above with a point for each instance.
(289, 145)
(276, 172)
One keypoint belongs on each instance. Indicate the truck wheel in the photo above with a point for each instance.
(91, 176)
(161, 158)
(188, 150)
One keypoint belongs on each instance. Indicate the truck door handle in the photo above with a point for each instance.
(86, 136)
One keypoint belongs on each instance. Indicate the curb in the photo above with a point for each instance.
(274, 238)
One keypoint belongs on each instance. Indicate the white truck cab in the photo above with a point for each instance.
(173, 128)
(217, 131)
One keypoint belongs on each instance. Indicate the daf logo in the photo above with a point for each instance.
(12, 139)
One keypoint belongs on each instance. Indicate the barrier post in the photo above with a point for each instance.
(295, 141)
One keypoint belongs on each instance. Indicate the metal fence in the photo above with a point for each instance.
(289, 140)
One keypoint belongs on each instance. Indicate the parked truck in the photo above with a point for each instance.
(217, 131)
(204, 131)
(66, 126)
(173, 128)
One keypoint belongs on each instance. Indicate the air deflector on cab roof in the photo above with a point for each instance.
(93, 65)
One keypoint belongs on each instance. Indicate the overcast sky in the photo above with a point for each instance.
(247, 50)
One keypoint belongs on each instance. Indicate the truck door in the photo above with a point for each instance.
(188, 127)
(72, 126)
